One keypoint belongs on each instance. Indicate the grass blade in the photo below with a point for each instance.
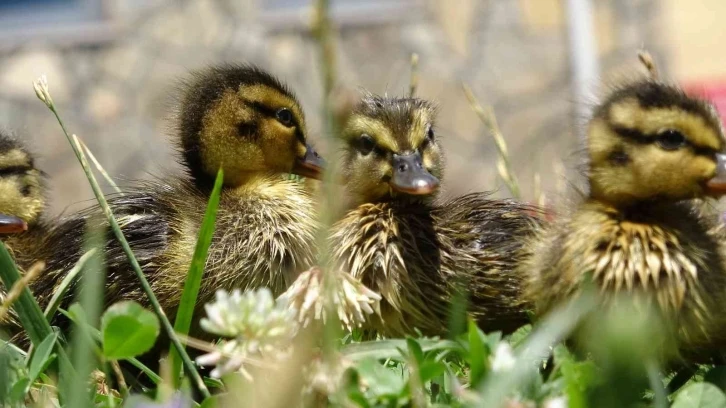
(26, 306)
(41, 357)
(504, 166)
(55, 301)
(92, 284)
(196, 270)
(31, 316)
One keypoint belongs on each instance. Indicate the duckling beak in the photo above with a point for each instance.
(717, 185)
(311, 165)
(411, 177)
(10, 224)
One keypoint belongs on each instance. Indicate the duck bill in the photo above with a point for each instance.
(10, 224)
(411, 177)
(716, 187)
(311, 165)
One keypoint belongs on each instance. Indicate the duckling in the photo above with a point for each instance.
(22, 200)
(240, 119)
(653, 150)
(417, 252)
(23, 227)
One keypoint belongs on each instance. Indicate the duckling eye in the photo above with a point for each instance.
(284, 116)
(671, 140)
(430, 133)
(366, 144)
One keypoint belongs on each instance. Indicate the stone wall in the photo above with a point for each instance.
(513, 53)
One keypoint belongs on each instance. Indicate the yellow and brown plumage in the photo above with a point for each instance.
(240, 119)
(22, 188)
(23, 224)
(654, 153)
(419, 254)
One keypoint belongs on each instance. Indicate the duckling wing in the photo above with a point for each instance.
(481, 241)
(479, 224)
(145, 222)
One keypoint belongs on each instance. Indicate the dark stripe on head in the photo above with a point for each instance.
(632, 134)
(640, 137)
(652, 94)
(394, 113)
(15, 170)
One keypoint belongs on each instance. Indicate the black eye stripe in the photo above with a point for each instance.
(633, 134)
(640, 137)
(20, 170)
(704, 151)
(267, 111)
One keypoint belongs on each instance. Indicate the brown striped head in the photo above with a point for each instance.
(391, 150)
(243, 120)
(649, 140)
(21, 187)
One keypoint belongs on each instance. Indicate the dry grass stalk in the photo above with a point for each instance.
(119, 377)
(647, 60)
(414, 75)
(504, 165)
(99, 167)
(18, 287)
(324, 34)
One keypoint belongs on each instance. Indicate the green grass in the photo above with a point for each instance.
(194, 279)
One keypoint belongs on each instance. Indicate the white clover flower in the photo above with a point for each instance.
(559, 402)
(253, 315)
(352, 300)
(503, 359)
(41, 90)
(258, 325)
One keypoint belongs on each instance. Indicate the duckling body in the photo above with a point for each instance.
(420, 254)
(244, 121)
(643, 229)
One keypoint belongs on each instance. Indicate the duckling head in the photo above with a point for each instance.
(21, 187)
(243, 120)
(391, 150)
(651, 141)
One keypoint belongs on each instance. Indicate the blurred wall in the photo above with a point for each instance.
(113, 82)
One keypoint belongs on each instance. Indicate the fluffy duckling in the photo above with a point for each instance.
(23, 229)
(419, 254)
(22, 200)
(652, 150)
(240, 119)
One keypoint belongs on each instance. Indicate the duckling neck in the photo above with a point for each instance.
(628, 208)
(265, 235)
(393, 201)
(272, 185)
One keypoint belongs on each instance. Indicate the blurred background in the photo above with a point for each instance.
(112, 66)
